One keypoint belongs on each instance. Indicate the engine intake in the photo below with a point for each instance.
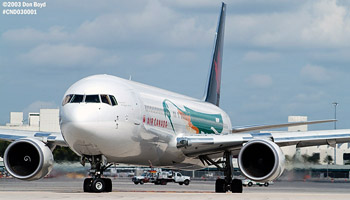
(28, 159)
(261, 160)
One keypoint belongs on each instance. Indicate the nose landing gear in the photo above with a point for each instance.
(96, 183)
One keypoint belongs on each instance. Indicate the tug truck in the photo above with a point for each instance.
(146, 177)
(162, 178)
(168, 176)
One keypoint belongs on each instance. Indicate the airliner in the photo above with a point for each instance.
(107, 120)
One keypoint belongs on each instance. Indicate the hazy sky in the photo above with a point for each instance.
(280, 57)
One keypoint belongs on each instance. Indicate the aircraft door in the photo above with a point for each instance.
(136, 111)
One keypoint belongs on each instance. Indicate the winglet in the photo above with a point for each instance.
(212, 93)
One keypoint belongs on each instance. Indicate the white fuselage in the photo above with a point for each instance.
(142, 128)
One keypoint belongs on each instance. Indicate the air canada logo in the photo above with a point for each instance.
(155, 122)
(196, 122)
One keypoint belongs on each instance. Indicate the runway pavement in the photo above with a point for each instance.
(67, 188)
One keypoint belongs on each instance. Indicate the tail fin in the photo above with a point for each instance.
(212, 93)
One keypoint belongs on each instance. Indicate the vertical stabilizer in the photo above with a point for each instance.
(212, 93)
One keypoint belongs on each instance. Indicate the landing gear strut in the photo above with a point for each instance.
(226, 184)
(96, 183)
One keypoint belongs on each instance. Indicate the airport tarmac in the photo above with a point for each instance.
(67, 188)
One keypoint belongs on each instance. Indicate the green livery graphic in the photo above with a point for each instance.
(196, 121)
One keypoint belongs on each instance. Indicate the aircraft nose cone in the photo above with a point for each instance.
(70, 117)
(73, 113)
(78, 126)
(76, 118)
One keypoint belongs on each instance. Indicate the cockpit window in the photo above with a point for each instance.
(77, 98)
(105, 99)
(92, 98)
(114, 101)
(67, 99)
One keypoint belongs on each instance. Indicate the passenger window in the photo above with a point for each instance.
(92, 99)
(105, 99)
(77, 98)
(114, 101)
(67, 99)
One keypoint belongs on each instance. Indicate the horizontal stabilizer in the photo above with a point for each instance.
(264, 127)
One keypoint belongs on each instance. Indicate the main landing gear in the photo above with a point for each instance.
(226, 184)
(96, 183)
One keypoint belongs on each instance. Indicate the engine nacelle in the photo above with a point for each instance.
(28, 159)
(261, 160)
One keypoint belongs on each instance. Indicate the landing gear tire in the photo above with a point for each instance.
(220, 186)
(98, 166)
(87, 185)
(98, 185)
(108, 187)
(236, 186)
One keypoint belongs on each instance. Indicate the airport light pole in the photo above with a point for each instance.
(335, 127)
(335, 114)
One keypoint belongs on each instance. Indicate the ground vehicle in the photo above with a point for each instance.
(162, 178)
(146, 177)
(250, 183)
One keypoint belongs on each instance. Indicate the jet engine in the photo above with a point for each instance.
(28, 159)
(261, 160)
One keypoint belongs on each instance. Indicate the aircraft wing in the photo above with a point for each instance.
(197, 145)
(240, 129)
(54, 138)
